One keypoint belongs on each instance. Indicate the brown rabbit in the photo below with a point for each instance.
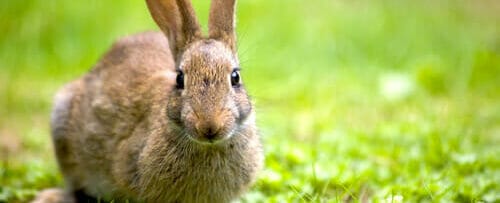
(160, 120)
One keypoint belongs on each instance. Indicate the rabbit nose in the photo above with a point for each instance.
(209, 131)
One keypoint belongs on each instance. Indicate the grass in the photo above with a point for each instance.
(383, 101)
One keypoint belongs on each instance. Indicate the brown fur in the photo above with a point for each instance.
(124, 131)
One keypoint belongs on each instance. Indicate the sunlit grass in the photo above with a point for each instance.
(387, 101)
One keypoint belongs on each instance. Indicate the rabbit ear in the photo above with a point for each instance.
(177, 19)
(221, 24)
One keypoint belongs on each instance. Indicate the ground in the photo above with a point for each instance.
(385, 100)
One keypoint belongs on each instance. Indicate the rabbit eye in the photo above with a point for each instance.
(235, 78)
(180, 80)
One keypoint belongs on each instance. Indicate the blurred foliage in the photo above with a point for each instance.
(388, 101)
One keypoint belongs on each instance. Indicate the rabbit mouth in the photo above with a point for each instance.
(212, 138)
(185, 128)
(235, 129)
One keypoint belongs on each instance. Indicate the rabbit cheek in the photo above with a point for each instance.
(188, 118)
(243, 105)
(174, 109)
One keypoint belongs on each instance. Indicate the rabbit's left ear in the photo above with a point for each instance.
(221, 23)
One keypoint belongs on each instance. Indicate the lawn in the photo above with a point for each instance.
(383, 101)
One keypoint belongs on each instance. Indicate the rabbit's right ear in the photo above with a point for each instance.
(177, 19)
(222, 22)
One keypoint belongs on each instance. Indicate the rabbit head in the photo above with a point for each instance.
(209, 103)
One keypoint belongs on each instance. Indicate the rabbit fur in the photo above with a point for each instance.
(126, 131)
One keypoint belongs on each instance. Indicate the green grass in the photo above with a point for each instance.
(380, 100)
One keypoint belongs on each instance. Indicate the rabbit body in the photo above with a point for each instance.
(114, 140)
(162, 117)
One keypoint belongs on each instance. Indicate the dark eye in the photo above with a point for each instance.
(180, 80)
(235, 77)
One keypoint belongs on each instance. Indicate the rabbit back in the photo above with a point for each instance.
(93, 115)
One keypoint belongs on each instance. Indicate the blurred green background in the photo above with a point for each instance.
(388, 100)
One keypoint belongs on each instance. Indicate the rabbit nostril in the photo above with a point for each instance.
(210, 133)
(209, 130)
